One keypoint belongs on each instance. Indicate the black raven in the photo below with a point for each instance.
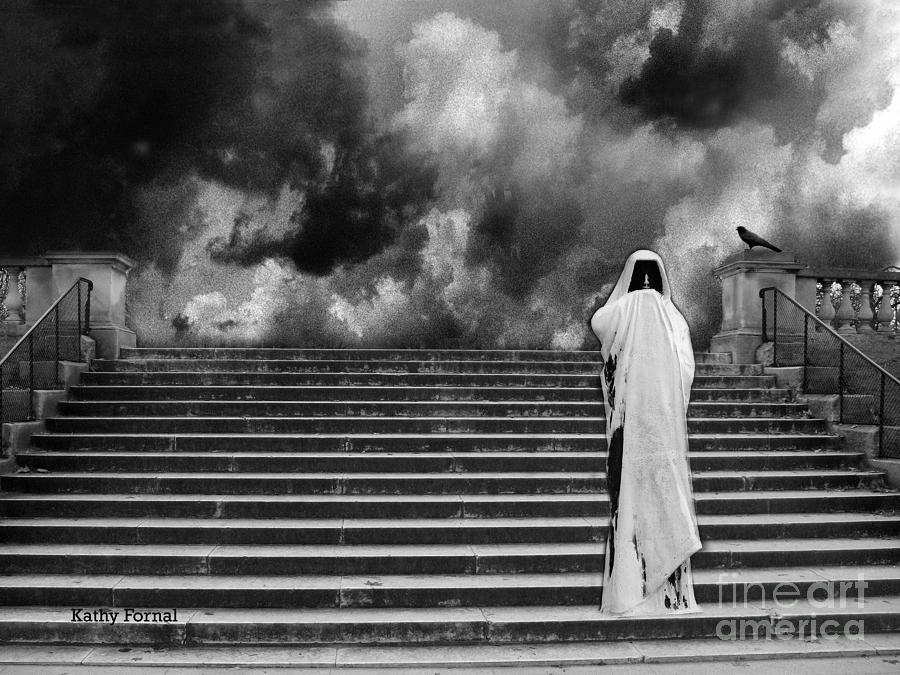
(752, 239)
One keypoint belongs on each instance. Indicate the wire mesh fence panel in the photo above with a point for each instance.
(867, 394)
(784, 328)
(823, 356)
(16, 394)
(890, 440)
(860, 389)
(35, 361)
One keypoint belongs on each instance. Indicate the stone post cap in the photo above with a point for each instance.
(23, 261)
(758, 260)
(118, 261)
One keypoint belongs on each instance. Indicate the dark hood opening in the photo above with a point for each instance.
(646, 272)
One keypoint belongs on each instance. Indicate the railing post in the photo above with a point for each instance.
(881, 420)
(56, 339)
(87, 308)
(762, 297)
(78, 284)
(805, 343)
(841, 384)
(775, 327)
(1, 393)
(31, 376)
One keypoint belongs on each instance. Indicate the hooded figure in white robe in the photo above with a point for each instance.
(648, 369)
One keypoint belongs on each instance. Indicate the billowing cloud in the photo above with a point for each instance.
(453, 173)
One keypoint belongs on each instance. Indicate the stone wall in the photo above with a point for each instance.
(44, 279)
(883, 349)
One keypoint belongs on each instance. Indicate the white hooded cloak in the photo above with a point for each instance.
(648, 370)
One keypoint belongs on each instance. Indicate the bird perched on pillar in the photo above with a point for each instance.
(752, 239)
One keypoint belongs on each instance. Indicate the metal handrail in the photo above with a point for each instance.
(83, 329)
(823, 325)
(844, 345)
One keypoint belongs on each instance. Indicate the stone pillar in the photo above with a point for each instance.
(805, 294)
(743, 275)
(40, 292)
(108, 271)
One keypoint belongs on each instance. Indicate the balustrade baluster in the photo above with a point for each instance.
(876, 295)
(12, 295)
(884, 313)
(836, 294)
(21, 283)
(825, 311)
(855, 293)
(4, 289)
(820, 296)
(895, 305)
(865, 314)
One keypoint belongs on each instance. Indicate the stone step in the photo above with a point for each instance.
(410, 496)
(413, 425)
(395, 379)
(401, 367)
(376, 393)
(342, 559)
(412, 461)
(470, 625)
(289, 353)
(62, 505)
(404, 409)
(712, 587)
(833, 653)
(568, 529)
(380, 354)
(367, 442)
(710, 357)
(531, 482)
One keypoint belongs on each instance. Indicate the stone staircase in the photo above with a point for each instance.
(364, 497)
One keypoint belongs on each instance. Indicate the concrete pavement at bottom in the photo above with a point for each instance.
(874, 653)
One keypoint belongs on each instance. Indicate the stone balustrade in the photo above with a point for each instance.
(30, 285)
(852, 300)
(14, 300)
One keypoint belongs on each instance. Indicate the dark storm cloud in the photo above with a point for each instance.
(358, 210)
(484, 201)
(697, 87)
(362, 211)
(129, 96)
(709, 71)
(523, 230)
(103, 97)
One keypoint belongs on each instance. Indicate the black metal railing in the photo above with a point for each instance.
(34, 361)
(867, 393)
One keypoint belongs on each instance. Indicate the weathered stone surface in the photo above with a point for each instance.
(890, 467)
(788, 377)
(413, 497)
(17, 435)
(859, 438)
(824, 406)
